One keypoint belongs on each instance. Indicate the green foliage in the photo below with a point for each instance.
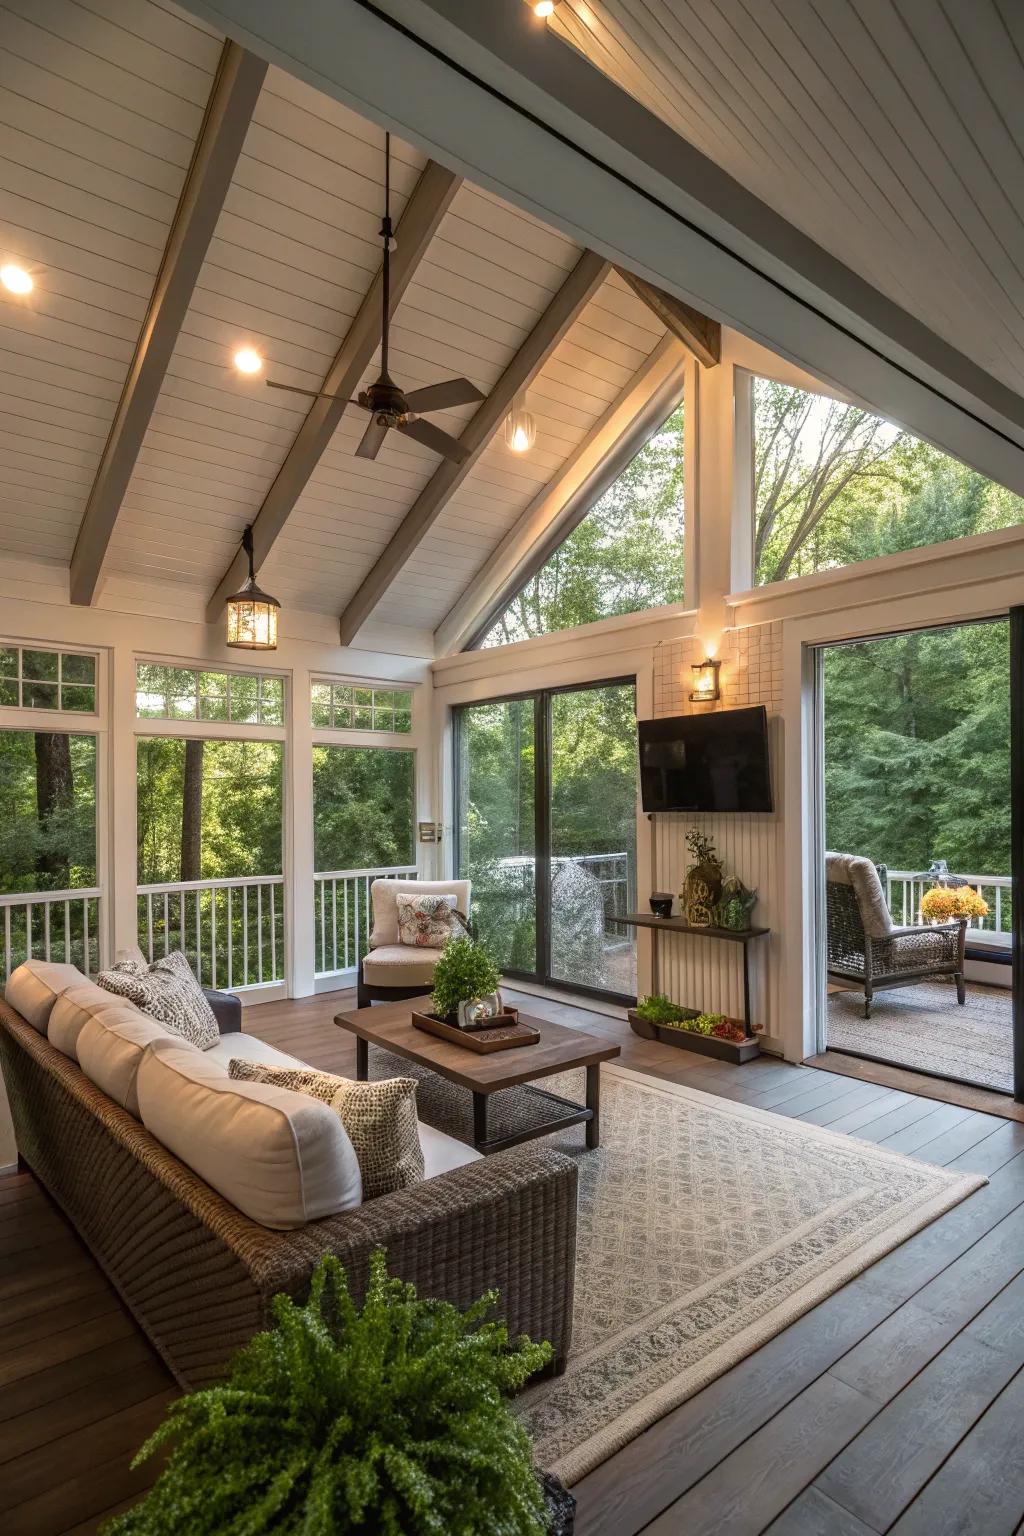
(56, 850)
(241, 811)
(386, 1422)
(364, 802)
(834, 484)
(625, 556)
(702, 849)
(659, 1010)
(464, 971)
(917, 749)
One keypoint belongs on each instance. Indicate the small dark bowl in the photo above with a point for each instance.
(661, 904)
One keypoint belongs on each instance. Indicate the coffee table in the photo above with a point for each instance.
(559, 1049)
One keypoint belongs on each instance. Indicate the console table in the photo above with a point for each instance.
(743, 936)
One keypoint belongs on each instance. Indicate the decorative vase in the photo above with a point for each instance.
(701, 890)
(661, 903)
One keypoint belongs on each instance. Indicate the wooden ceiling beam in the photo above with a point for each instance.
(431, 198)
(229, 111)
(554, 324)
(702, 335)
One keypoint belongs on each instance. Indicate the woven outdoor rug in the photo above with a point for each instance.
(923, 1026)
(705, 1228)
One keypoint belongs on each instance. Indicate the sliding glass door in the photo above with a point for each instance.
(546, 831)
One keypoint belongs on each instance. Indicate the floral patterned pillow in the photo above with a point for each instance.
(427, 921)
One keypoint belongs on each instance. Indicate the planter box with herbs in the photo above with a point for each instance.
(709, 1034)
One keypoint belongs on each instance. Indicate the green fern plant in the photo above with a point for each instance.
(391, 1419)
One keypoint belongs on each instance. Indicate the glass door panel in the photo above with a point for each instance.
(592, 837)
(497, 839)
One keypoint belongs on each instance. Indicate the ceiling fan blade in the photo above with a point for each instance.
(313, 394)
(372, 440)
(432, 437)
(436, 397)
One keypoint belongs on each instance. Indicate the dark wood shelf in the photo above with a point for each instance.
(680, 925)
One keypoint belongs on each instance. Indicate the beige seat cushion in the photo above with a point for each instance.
(400, 965)
(248, 1048)
(281, 1157)
(384, 896)
(34, 988)
(71, 1012)
(111, 1045)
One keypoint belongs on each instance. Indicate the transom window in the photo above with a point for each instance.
(186, 693)
(37, 679)
(349, 707)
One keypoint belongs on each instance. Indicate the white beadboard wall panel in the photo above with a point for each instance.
(99, 109)
(703, 972)
(890, 131)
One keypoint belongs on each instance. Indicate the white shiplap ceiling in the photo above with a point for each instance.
(101, 103)
(889, 131)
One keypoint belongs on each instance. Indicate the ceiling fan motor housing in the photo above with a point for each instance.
(386, 401)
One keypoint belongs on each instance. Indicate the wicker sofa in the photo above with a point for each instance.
(198, 1275)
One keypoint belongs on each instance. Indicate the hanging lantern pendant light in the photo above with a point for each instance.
(252, 613)
(520, 427)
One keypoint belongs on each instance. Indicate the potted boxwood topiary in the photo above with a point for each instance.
(389, 1420)
(464, 973)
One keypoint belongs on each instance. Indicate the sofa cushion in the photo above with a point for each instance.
(282, 1158)
(169, 993)
(400, 965)
(442, 1153)
(111, 1045)
(384, 898)
(71, 1012)
(379, 1117)
(35, 986)
(248, 1048)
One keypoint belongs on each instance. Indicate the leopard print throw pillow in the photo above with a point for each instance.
(169, 993)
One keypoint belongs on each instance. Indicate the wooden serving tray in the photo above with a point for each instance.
(492, 1037)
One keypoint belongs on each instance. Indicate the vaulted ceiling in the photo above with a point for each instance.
(889, 131)
(102, 106)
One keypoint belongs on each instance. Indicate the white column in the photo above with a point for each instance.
(122, 901)
(717, 540)
(298, 839)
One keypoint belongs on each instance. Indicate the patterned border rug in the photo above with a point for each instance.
(705, 1227)
(923, 1026)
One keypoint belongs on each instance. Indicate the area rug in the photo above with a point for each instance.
(705, 1227)
(924, 1027)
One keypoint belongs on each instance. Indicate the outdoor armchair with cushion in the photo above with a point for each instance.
(865, 946)
(393, 971)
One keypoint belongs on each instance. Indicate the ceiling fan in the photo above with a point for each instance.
(389, 406)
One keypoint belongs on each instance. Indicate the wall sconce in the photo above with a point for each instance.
(252, 613)
(705, 688)
(520, 427)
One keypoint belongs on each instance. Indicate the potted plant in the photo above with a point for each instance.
(465, 974)
(389, 1419)
(948, 903)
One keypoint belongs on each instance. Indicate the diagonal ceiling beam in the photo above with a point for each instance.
(554, 324)
(430, 201)
(702, 335)
(229, 110)
(647, 401)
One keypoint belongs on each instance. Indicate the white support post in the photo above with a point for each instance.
(121, 921)
(300, 923)
(714, 508)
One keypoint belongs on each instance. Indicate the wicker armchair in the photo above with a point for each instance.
(864, 946)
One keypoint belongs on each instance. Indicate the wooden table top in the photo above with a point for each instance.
(558, 1049)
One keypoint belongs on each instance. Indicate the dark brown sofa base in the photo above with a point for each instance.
(198, 1276)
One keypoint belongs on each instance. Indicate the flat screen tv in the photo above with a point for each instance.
(714, 762)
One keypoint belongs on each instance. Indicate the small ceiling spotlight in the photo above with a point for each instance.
(520, 427)
(248, 360)
(15, 279)
(543, 8)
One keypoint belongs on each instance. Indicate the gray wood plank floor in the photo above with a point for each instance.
(895, 1405)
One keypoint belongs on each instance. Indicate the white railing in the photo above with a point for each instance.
(342, 913)
(614, 874)
(232, 931)
(904, 891)
(52, 925)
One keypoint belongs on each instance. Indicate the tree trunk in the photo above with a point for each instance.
(192, 813)
(55, 792)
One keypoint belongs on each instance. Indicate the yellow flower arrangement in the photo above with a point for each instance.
(943, 903)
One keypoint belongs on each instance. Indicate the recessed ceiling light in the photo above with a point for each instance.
(248, 361)
(15, 279)
(544, 7)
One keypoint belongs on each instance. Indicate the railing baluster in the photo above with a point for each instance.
(245, 935)
(334, 922)
(67, 932)
(273, 936)
(167, 924)
(259, 932)
(46, 930)
(213, 938)
(86, 947)
(28, 932)
(231, 928)
(344, 891)
(149, 927)
(7, 945)
(323, 923)
(199, 937)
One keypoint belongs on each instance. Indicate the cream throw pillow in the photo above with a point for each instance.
(169, 993)
(380, 1119)
(428, 921)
